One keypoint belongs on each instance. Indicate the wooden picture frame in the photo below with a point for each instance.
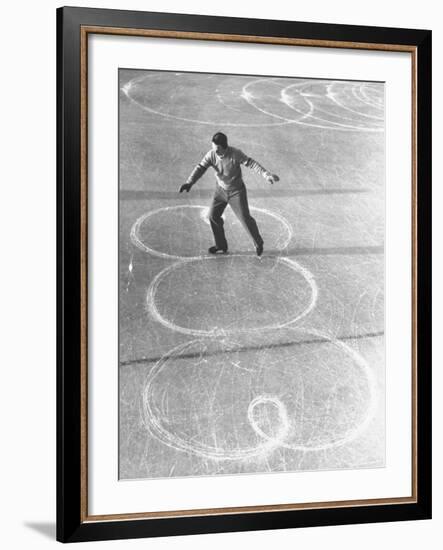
(74, 521)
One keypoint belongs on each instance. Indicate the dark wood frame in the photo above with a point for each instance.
(73, 522)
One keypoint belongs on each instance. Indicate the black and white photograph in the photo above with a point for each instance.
(251, 274)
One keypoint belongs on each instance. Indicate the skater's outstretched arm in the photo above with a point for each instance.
(197, 173)
(258, 168)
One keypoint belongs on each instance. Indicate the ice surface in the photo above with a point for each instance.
(237, 364)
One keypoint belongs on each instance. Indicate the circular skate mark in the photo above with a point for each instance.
(372, 95)
(231, 294)
(177, 232)
(331, 106)
(270, 101)
(334, 93)
(220, 400)
(174, 97)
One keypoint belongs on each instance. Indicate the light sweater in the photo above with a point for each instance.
(227, 168)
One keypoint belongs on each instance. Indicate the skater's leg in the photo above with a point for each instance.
(239, 204)
(219, 203)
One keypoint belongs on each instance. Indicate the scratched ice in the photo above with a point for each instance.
(310, 394)
(235, 364)
(232, 294)
(247, 101)
(160, 232)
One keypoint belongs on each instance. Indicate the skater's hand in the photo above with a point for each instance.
(273, 178)
(185, 187)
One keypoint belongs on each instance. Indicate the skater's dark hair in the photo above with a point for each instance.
(220, 139)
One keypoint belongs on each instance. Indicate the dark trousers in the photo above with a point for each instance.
(238, 200)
